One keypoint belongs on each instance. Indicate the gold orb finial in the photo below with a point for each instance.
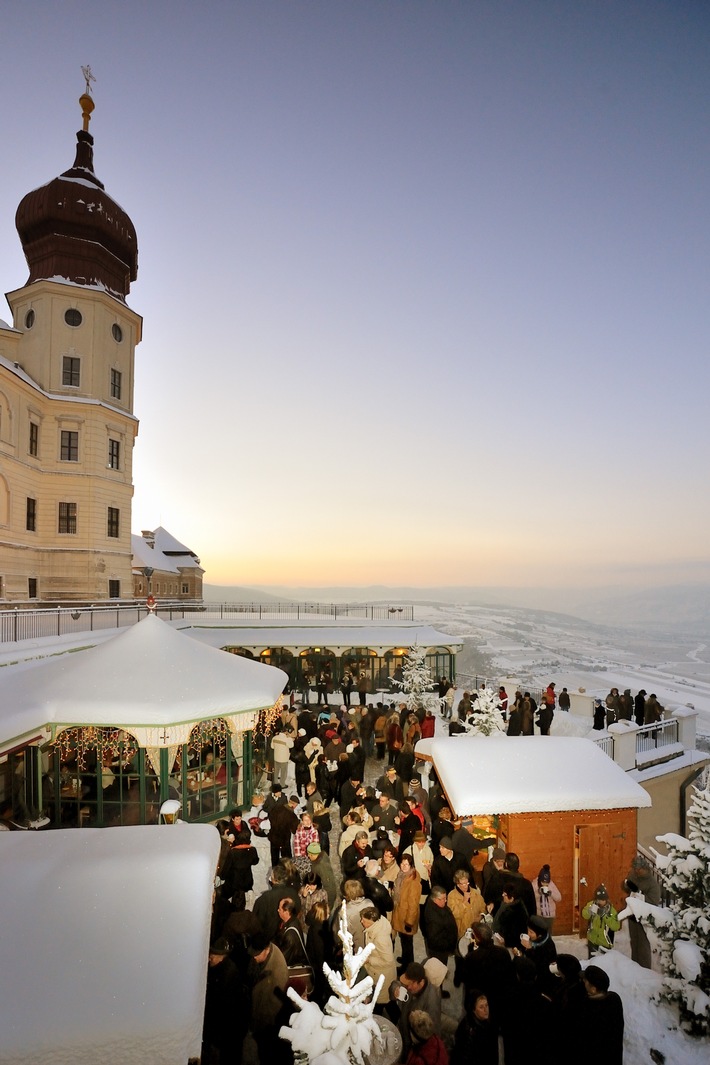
(87, 104)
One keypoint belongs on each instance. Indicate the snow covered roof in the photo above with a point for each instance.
(148, 675)
(105, 942)
(531, 774)
(334, 637)
(166, 553)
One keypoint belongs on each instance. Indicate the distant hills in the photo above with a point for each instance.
(681, 608)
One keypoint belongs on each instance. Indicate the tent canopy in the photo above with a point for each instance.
(105, 950)
(531, 774)
(149, 675)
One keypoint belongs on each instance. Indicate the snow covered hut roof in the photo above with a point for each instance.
(162, 551)
(336, 636)
(531, 774)
(148, 675)
(105, 943)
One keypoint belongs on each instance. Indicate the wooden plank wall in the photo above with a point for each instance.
(549, 838)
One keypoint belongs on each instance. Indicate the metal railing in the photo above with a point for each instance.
(660, 734)
(17, 625)
(607, 745)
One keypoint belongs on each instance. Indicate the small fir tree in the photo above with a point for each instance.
(684, 926)
(486, 719)
(416, 681)
(344, 1032)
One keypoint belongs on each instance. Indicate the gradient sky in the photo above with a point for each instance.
(425, 284)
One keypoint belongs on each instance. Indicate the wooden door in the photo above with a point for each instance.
(599, 859)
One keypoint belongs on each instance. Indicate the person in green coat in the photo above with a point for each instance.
(603, 922)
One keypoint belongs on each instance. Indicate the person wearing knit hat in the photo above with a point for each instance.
(603, 922)
(641, 882)
(547, 895)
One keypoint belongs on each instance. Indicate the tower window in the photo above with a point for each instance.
(32, 587)
(73, 317)
(117, 333)
(114, 589)
(116, 384)
(31, 515)
(71, 371)
(29, 319)
(114, 454)
(34, 439)
(112, 524)
(70, 446)
(67, 517)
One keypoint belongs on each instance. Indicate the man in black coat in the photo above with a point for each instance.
(284, 823)
(440, 930)
(445, 865)
(266, 907)
(487, 968)
(375, 890)
(355, 857)
(509, 873)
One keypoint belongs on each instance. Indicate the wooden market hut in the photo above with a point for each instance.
(552, 800)
(104, 736)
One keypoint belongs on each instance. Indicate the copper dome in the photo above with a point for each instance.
(71, 229)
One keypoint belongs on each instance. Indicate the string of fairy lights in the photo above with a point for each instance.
(74, 744)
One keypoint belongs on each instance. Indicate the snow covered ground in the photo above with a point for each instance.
(537, 647)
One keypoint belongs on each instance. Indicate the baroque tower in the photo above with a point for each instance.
(67, 426)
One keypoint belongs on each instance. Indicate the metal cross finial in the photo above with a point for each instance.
(88, 77)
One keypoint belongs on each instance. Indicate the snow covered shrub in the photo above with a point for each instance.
(684, 926)
(486, 719)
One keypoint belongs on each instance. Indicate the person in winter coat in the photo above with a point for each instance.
(563, 700)
(476, 1040)
(422, 859)
(515, 726)
(445, 865)
(547, 895)
(526, 715)
(378, 931)
(409, 825)
(653, 711)
(406, 894)
(537, 945)
(603, 922)
(439, 927)
(380, 734)
(395, 738)
(224, 988)
(626, 709)
(242, 859)
(640, 706)
(375, 891)
(305, 833)
(301, 765)
(284, 823)
(486, 968)
(465, 902)
(427, 1047)
(641, 882)
(601, 1020)
(613, 706)
(511, 919)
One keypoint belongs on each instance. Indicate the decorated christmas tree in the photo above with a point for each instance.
(683, 926)
(486, 719)
(416, 680)
(345, 1032)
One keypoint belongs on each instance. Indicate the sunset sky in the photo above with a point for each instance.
(424, 284)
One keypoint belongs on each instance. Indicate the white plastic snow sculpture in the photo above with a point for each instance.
(342, 1035)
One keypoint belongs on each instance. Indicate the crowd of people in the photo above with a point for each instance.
(407, 872)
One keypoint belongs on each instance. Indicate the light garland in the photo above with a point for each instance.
(78, 741)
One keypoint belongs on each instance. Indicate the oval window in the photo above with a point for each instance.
(72, 316)
(29, 319)
(117, 333)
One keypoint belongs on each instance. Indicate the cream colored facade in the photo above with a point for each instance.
(66, 437)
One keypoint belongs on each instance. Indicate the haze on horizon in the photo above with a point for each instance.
(424, 285)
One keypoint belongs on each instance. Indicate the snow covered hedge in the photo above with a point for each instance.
(684, 926)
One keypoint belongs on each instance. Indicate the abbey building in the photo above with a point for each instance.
(67, 427)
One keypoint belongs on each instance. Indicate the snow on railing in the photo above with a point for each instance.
(607, 745)
(660, 734)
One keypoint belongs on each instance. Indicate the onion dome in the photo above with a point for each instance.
(71, 229)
